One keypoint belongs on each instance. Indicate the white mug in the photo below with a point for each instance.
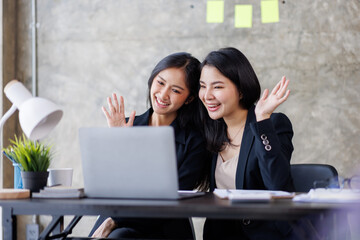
(60, 176)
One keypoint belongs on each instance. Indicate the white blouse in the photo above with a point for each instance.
(225, 172)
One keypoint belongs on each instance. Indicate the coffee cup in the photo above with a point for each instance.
(60, 176)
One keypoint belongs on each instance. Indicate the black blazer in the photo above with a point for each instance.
(265, 153)
(264, 163)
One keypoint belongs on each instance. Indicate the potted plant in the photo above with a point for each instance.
(33, 159)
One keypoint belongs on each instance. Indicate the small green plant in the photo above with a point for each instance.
(31, 156)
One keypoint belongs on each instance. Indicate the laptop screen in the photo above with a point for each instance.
(131, 162)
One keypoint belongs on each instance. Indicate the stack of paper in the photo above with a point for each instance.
(329, 195)
(60, 192)
(241, 195)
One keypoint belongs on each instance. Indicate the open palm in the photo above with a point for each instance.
(269, 102)
(116, 115)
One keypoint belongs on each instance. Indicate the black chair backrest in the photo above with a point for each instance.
(304, 175)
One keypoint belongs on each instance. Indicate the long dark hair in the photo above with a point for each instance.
(235, 66)
(187, 115)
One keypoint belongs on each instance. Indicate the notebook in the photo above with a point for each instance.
(130, 162)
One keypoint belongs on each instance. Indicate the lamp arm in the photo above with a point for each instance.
(7, 115)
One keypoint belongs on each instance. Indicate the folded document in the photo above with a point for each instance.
(242, 195)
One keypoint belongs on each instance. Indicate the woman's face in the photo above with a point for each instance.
(218, 93)
(168, 91)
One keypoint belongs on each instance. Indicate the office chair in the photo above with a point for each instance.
(304, 175)
(315, 227)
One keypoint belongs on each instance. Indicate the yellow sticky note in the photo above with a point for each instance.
(243, 16)
(269, 11)
(215, 12)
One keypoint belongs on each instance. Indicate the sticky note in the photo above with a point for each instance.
(215, 12)
(269, 11)
(243, 16)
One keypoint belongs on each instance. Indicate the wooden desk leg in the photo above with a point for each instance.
(9, 224)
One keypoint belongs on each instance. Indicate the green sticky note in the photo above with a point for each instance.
(215, 12)
(269, 11)
(243, 16)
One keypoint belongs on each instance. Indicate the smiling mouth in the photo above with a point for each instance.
(213, 107)
(161, 103)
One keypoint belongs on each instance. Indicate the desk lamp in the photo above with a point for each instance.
(37, 116)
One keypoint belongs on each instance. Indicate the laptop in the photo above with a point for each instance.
(130, 162)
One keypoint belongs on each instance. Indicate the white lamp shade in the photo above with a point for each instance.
(38, 116)
(16, 92)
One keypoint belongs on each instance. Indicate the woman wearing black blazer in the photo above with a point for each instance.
(251, 145)
(173, 87)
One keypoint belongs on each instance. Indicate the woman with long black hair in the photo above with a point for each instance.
(173, 88)
(251, 145)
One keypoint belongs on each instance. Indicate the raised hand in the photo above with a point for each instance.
(116, 115)
(269, 102)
